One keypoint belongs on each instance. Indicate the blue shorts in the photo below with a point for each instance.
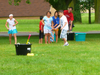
(12, 31)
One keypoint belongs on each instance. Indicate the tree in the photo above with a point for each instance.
(76, 5)
(97, 11)
(59, 4)
(87, 5)
(16, 2)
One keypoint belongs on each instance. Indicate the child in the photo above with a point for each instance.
(56, 23)
(12, 28)
(48, 26)
(52, 37)
(41, 30)
(64, 27)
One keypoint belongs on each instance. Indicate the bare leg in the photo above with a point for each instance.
(10, 36)
(46, 38)
(64, 40)
(56, 32)
(15, 38)
(49, 38)
(41, 40)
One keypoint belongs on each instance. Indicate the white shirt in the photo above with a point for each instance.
(63, 19)
(11, 23)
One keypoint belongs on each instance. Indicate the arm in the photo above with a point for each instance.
(72, 18)
(15, 23)
(58, 27)
(52, 25)
(64, 25)
(42, 22)
(71, 25)
(6, 25)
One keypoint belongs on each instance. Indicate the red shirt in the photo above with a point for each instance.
(41, 25)
(69, 16)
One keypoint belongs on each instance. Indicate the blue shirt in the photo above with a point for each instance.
(48, 22)
(56, 21)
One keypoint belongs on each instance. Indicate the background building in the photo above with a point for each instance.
(36, 8)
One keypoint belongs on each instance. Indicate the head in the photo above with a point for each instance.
(70, 9)
(61, 13)
(11, 16)
(56, 13)
(41, 17)
(48, 13)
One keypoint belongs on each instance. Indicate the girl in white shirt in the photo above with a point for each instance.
(12, 27)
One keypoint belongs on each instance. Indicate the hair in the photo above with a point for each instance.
(48, 12)
(71, 8)
(61, 11)
(41, 17)
(55, 12)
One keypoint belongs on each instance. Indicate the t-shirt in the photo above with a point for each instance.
(41, 25)
(48, 22)
(63, 19)
(68, 15)
(11, 23)
(56, 21)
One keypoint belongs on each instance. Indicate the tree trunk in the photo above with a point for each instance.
(89, 13)
(97, 11)
(89, 16)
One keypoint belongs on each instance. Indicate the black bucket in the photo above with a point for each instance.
(70, 36)
(23, 49)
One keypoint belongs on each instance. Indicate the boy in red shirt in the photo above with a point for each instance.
(69, 15)
(41, 25)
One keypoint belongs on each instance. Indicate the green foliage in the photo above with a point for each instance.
(77, 14)
(59, 4)
(16, 2)
(86, 4)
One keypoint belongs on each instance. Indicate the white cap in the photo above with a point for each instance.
(10, 15)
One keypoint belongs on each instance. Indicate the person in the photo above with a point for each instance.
(48, 26)
(12, 27)
(41, 25)
(64, 27)
(69, 15)
(52, 36)
(56, 23)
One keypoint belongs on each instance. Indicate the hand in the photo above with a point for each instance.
(52, 28)
(70, 28)
(13, 25)
(61, 28)
(8, 28)
(55, 29)
(41, 30)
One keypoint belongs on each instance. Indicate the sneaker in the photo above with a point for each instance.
(66, 44)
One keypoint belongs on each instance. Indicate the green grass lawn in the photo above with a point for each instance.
(29, 25)
(79, 58)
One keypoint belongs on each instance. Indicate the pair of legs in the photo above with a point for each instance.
(47, 35)
(56, 33)
(41, 35)
(10, 36)
(40, 41)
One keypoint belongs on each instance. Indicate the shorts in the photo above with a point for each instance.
(41, 35)
(12, 31)
(46, 31)
(56, 30)
(63, 34)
